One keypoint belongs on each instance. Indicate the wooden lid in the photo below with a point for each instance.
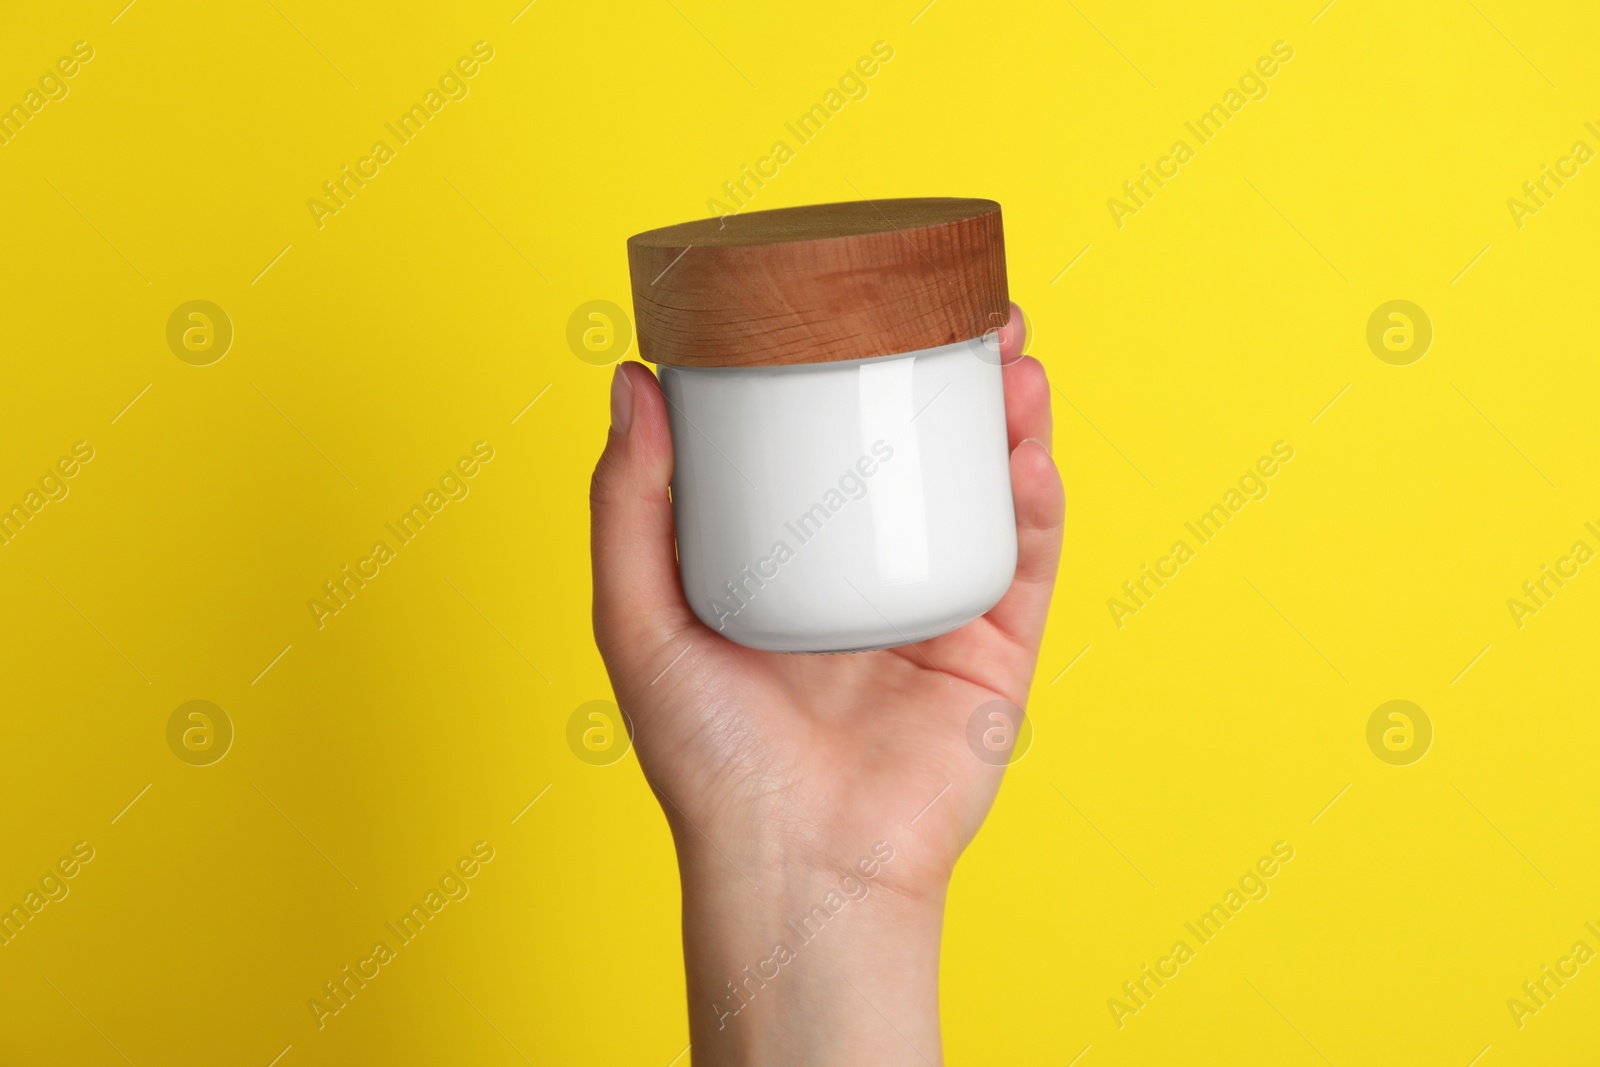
(819, 283)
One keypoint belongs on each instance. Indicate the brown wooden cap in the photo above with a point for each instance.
(819, 283)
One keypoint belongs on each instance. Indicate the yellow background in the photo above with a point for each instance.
(430, 311)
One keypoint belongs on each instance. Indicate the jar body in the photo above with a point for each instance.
(843, 506)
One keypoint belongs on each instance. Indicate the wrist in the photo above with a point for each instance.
(800, 959)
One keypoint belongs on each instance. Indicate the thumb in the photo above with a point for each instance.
(638, 599)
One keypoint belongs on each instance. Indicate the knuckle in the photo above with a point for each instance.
(605, 482)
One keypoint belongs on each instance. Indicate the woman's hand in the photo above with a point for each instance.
(818, 803)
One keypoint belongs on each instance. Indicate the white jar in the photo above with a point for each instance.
(835, 505)
(831, 507)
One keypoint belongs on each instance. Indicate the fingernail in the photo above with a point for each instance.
(621, 401)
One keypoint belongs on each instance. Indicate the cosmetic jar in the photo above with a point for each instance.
(841, 476)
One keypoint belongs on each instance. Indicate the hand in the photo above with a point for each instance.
(780, 774)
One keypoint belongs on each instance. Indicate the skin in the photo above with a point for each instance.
(786, 778)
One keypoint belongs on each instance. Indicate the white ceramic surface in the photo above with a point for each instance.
(833, 507)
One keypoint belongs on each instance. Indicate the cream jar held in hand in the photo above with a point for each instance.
(841, 476)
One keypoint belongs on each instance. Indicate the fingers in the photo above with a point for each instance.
(638, 599)
(1027, 403)
(1027, 389)
(1013, 335)
(1041, 512)
(1035, 489)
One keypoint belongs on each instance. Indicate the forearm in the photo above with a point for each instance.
(808, 966)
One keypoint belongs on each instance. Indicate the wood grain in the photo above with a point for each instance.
(819, 283)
